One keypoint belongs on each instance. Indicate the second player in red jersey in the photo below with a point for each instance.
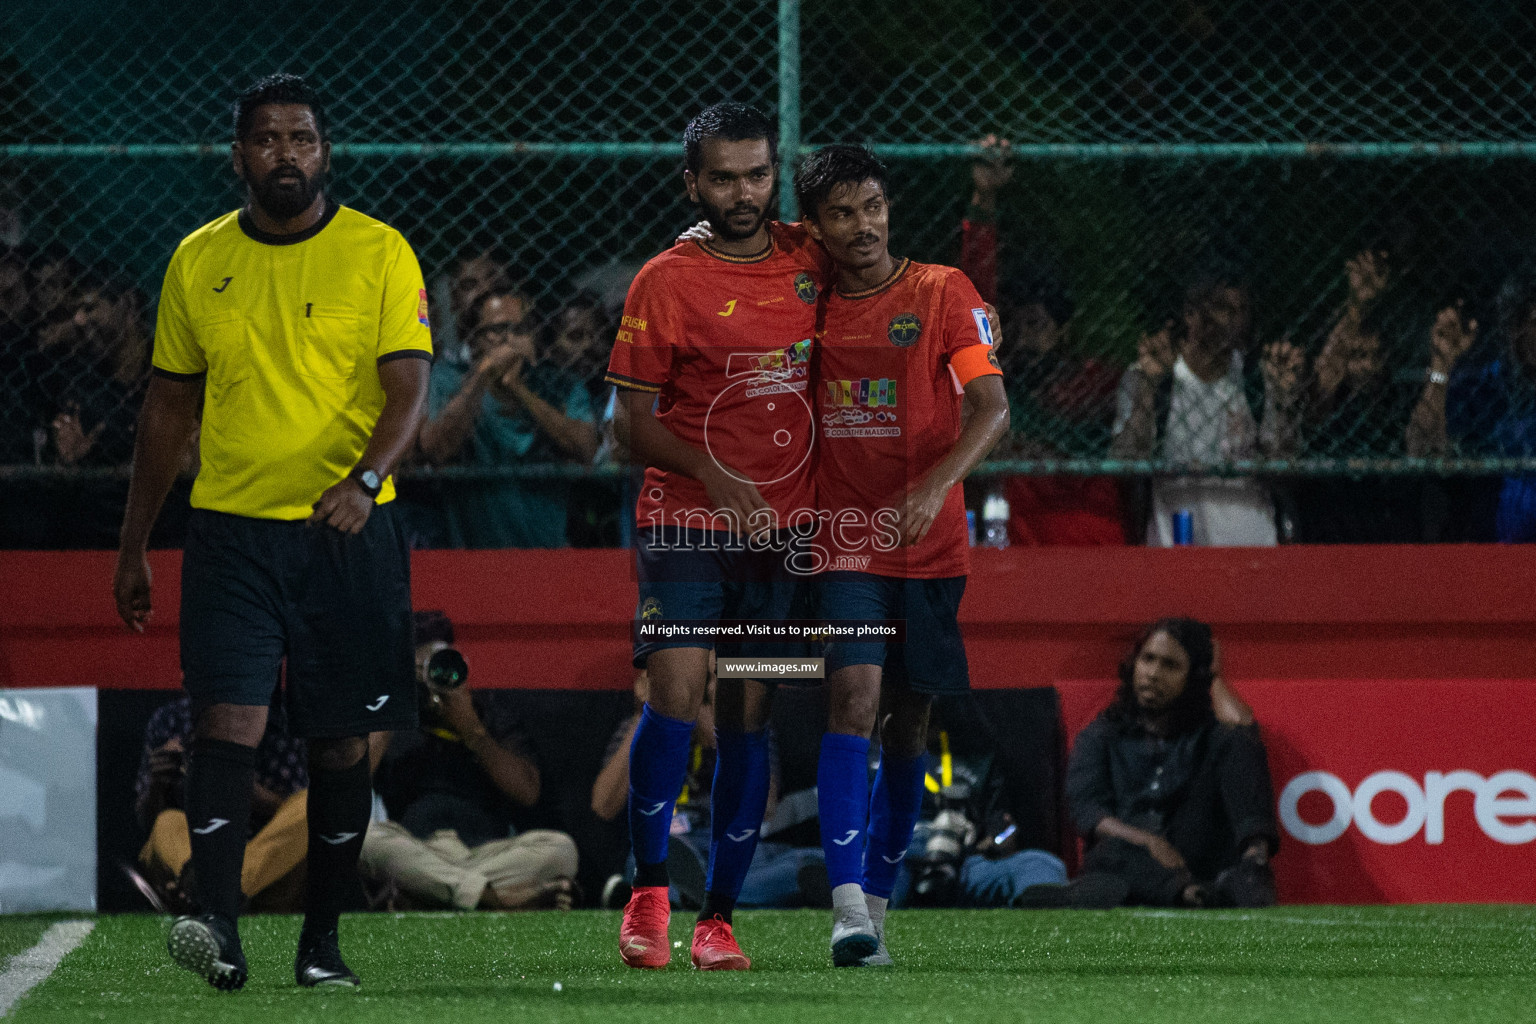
(901, 344)
(891, 366)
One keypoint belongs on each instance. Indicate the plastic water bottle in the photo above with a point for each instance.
(994, 519)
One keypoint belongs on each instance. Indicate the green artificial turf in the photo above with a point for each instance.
(1400, 964)
(21, 932)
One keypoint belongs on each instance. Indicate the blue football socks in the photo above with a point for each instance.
(737, 802)
(842, 786)
(894, 807)
(658, 763)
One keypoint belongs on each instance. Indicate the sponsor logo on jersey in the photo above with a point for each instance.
(730, 307)
(805, 288)
(869, 392)
(904, 329)
(223, 284)
(983, 326)
(421, 308)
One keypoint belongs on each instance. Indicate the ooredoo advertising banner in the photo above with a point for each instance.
(1402, 792)
(1392, 791)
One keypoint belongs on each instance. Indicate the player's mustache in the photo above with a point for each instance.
(744, 210)
(865, 240)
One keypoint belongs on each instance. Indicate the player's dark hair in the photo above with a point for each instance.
(831, 166)
(275, 89)
(1190, 709)
(732, 122)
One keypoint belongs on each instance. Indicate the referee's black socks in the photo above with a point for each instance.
(340, 807)
(220, 777)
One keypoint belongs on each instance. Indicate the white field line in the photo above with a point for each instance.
(29, 969)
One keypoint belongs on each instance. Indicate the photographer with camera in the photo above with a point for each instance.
(966, 851)
(451, 790)
(272, 871)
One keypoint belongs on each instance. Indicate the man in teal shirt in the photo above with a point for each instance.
(506, 408)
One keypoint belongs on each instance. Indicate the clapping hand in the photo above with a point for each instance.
(1449, 338)
(994, 169)
(1283, 365)
(1368, 273)
(1154, 353)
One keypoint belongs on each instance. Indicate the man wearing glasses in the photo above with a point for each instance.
(506, 407)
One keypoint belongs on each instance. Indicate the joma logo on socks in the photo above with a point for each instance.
(1503, 805)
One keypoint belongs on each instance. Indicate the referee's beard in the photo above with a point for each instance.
(285, 193)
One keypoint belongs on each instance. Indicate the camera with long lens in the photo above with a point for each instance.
(440, 668)
(936, 882)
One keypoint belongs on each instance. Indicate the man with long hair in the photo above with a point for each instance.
(1175, 803)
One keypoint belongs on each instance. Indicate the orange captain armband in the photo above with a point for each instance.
(974, 361)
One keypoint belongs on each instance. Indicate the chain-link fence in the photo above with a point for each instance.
(1212, 167)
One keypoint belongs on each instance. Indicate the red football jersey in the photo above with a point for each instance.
(891, 366)
(725, 344)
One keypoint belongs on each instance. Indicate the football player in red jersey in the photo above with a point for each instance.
(901, 345)
(712, 364)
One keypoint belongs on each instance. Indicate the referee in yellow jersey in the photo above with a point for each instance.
(302, 327)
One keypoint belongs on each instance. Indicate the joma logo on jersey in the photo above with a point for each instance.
(805, 288)
(904, 329)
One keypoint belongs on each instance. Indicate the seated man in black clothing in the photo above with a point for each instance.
(1176, 805)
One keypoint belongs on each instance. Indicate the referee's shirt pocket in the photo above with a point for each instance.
(330, 341)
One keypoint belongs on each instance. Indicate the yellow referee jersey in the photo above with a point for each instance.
(289, 331)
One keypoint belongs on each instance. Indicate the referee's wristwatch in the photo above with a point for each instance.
(368, 480)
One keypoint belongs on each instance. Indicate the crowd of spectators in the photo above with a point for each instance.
(519, 383)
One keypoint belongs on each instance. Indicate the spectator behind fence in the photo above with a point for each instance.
(1356, 407)
(91, 373)
(781, 875)
(1060, 405)
(451, 790)
(1488, 409)
(272, 874)
(509, 407)
(1191, 399)
(485, 264)
(22, 432)
(1169, 786)
(88, 374)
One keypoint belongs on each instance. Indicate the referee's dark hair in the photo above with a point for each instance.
(279, 88)
(831, 166)
(731, 121)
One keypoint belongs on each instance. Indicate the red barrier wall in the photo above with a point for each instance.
(1407, 671)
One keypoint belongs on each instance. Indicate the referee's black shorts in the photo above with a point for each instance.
(336, 606)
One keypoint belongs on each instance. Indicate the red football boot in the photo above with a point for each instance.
(715, 948)
(643, 935)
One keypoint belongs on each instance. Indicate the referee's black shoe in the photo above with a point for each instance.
(319, 962)
(209, 946)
